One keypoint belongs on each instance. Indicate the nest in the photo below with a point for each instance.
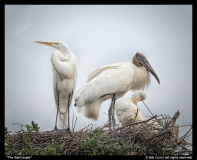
(157, 135)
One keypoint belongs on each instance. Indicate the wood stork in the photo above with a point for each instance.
(127, 110)
(64, 79)
(112, 82)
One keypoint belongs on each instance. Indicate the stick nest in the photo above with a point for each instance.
(157, 135)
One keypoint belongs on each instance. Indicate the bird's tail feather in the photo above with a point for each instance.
(80, 109)
(92, 109)
(79, 101)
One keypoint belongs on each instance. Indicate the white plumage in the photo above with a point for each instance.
(64, 78)
(127, 110)
(115, 79)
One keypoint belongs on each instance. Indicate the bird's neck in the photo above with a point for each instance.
(141, 79)
(65, 54)
(63, 65)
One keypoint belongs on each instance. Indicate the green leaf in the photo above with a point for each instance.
(32, 123)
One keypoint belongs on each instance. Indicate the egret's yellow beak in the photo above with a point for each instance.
(47, 43)
(137, 99)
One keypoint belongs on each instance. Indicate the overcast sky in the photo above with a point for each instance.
(98, 35)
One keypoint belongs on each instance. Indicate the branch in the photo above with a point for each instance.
(136, 123)
(148, 109)
(136, 114)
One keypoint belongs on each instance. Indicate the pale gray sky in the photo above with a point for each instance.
(98, 35)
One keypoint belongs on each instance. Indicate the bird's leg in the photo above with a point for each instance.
(55, 128)
(113, 110)
(110, 110)
(68, 129)
(109, 115)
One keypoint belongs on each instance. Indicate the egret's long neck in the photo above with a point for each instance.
(60, 63)
(65, 53)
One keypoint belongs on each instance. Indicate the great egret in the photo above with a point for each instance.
(127, 110)
(113, 81)
(64, 79)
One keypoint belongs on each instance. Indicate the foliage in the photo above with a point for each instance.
(94, 143)
(154, 136)
(32, 127)
(29, 149)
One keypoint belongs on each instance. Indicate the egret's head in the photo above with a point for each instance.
(137, 96)
(140, 60)
(58, 44)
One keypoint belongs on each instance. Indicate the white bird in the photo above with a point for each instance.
(112, 82)
(127, 110)
(64, 79)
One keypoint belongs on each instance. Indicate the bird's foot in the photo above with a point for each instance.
(68, 129)
(56, 129)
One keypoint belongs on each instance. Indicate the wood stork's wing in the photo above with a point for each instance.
(99, 70)
(105, 81)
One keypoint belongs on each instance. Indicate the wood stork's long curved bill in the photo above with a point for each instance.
(143, 61)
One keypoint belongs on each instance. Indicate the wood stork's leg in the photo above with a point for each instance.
(68, 129)
(55, 128)
(113, 110)
(109, 113)
(110, 110)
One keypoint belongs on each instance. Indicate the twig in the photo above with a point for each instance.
(136, 123)
(144, 139)
(173, 119)
(20, 125)
(85, 127)
(136, 114)
(184, 136)
(148, 109)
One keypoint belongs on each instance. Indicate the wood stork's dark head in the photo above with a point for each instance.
(140, 60)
